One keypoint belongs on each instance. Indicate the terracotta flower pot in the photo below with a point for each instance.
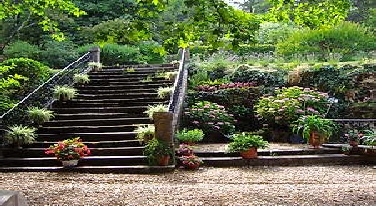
(249, 154)
(163, 160)
(192, 166)
(314, 140)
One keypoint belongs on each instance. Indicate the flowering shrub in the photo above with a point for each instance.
(211, 117)
(190, 162)
(290, 103)
(212, 88)
(69, 149)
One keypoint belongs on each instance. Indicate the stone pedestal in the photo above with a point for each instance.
(163, 126)
(95, 54)
(12, 198)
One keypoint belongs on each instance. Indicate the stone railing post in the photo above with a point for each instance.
(164, 129)
(95, 54)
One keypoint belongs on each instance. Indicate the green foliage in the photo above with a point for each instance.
(312, 14)
(155, 108)
(152, 52)
(244, 141)
(369, 138)
(346, 39)
(18, 135)
(81, 79)
(58, 54)
(64, 93)
(263, 77)
(112, 54)
(156, 148)
(290, 103)
(31, 73)
(210, 117)
(145, 133)
(22, 49)
(164, 92)
(85, 48)
(40, 115)
(190, 136)
(305, 125)
(272, 33)
(29, 12)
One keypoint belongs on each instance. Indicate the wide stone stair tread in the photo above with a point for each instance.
(105, 151)
(144, 85)
(89, 136)
(111, 91)
(130, 83)
(93, 144)
(131, 109)
(96, 115)
(128, 79)
(99, 122)
(153, 95)
(286, 160)
(132, 169)
(99, 128)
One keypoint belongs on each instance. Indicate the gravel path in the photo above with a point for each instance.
(313, 185)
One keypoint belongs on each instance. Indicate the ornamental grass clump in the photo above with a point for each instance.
(291, 103)
(69, 149)
(211, 117)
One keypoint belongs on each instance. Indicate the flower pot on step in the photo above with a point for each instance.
(163, 160)
(249, 154)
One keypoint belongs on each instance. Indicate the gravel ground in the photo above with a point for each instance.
(312, 185)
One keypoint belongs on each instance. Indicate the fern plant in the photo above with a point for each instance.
(155, 108)
(40, 115)
(18, 135)
(164, 92)
(81, 79)
(64, 93)
(145, 133)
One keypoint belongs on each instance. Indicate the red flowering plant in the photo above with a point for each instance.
(69, 149)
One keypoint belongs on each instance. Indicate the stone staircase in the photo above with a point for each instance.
(104, 115)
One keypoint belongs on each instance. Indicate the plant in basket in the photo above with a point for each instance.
(69, 151)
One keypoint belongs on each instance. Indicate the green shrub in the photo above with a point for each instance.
(120, 54)
(346, 39)
(58, 54)
(152, 52)
(190, 136)
(22, 49)
(35, 71)
(274, 32)
(85, 48)
(248, 49)
(155, 149)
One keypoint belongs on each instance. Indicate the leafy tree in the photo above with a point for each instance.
(26, 13)
(310, 13)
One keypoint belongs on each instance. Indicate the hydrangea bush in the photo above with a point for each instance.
(290, 103)
(210, 117)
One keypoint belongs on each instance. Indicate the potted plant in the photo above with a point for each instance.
(81, 79)
(164, 92)
(64, 93)
(95, 66)
(190, 136)
(145, 133)
(191, 162)
(246, 144)
(158, 152)
(19, 135)
(314, 129)
(40, 115)
(155, 108)
(185, 150)
(69, 151)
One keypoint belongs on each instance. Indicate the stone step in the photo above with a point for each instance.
(133, 169)
(147, 85)
(286, 160)
(119, 95)
(113, 109)
(128, 83)
(127, 79)
(274, 152)
(98, 115)
(109, 103)
(86, 161)
(39, 152)
(91, 144)
(89, 137)
(86, 129)
(116, 91)
(99, 122)
(126, 75)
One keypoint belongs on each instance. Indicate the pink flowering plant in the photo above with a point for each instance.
(291, 103)
(211, 117)
(190, 161)
(236, 85)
